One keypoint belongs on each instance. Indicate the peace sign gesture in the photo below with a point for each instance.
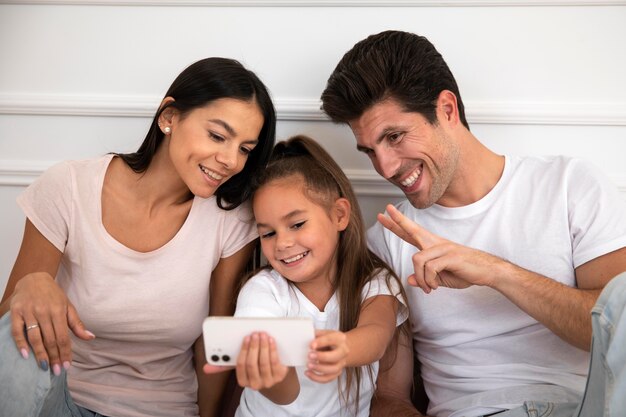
(439, 261)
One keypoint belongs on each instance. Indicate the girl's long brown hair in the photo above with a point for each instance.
(324, 182)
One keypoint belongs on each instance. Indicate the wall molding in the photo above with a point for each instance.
(366, 182)
(21, 173)
(306, 109)
(322, 3)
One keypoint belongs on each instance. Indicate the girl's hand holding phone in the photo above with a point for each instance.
(328, 357)
(258, 365)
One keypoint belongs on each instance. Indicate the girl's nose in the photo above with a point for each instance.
(283, 242)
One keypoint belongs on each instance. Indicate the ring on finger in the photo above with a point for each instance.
(32, 326)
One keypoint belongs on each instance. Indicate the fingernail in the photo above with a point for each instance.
(90, 334)
(44, 365)
(56, 369)
(66, 365)
(24, 353)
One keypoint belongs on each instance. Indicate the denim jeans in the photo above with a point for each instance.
(605, 394)
(28, 391)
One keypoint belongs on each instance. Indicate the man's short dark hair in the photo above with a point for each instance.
(391, 64)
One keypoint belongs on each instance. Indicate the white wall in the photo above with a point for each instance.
(81, 78)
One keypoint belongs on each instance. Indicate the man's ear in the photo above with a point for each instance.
(341, 213)
(448, 108)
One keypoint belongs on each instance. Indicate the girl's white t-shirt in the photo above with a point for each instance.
(268, 294)
(146, 309)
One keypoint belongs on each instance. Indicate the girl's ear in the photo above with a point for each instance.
(341, 213)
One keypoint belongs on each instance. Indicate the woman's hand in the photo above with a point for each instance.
(328, 357)
(41, 315)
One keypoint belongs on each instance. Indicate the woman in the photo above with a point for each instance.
(143, 246)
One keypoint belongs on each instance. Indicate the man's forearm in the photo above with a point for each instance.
(562, 309)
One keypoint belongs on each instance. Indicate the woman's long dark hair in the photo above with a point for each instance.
(325, 182)
(198, 85)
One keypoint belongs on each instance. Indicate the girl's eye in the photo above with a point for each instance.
(245, 151)
(298, 225)
(267, 235)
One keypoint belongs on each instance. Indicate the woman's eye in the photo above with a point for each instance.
(245, 151)
(216, 137)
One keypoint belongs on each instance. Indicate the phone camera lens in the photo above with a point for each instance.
(215, 358)
(225, 358)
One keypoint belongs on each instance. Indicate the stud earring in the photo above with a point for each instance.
(167, 130)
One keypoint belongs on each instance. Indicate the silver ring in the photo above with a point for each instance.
(32, 326)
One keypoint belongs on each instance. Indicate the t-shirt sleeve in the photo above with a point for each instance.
(260, 297)
(239, 229)
(597, 213)
(47, 203)
(381, 284)
(377, 242)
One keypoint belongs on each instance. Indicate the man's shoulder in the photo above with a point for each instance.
(545, 162)
(550, 170)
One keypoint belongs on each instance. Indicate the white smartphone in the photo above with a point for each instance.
(223, 337)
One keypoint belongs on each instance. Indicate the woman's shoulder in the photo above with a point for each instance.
(90, 165)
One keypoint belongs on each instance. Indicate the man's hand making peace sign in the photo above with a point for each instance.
(441, 262)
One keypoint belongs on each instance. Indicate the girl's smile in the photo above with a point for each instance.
(292, 260)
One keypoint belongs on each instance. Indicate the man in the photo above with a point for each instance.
(513, 252)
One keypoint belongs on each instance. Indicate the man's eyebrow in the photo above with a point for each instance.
(386, 131)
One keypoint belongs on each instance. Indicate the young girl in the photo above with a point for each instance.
(138, 248)
(312, 235)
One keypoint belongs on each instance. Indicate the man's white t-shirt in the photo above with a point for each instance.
(268, 294)
(146, 309)
(479, 352)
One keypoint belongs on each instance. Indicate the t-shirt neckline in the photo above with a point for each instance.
(480, 206)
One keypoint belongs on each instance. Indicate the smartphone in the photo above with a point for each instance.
(223, 337)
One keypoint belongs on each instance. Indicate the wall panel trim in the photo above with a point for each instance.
(366, 182)
(323, 3)
(21, 173)
(303, 109)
